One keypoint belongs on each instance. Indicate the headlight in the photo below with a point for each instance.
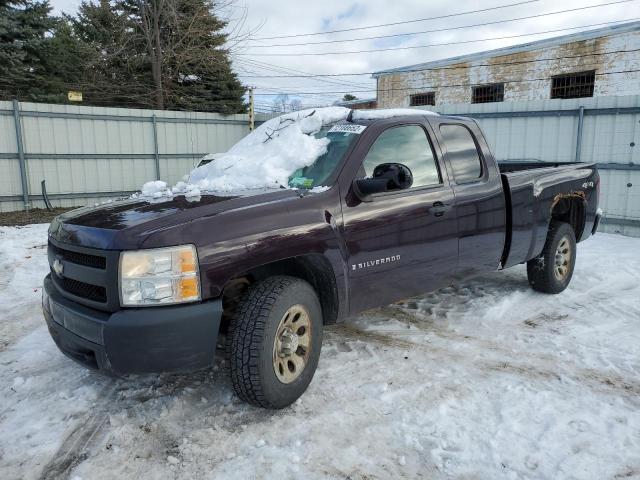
(159, 276)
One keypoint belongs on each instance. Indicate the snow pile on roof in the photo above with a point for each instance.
(388, 113)
(270, 154)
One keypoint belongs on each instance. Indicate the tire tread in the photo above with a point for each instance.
(539, 273)
(246, 334)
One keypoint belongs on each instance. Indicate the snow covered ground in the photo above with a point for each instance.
(487, 379)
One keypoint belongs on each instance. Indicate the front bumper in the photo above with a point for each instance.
(134, 340)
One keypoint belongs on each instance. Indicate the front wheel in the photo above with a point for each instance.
(274, 341)
(551, 271)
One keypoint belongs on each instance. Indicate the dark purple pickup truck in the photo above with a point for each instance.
(411, 204)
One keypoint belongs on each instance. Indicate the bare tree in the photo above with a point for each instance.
(151, 12)
(281, 103)
(295, 104)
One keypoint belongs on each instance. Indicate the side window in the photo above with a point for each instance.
(408, 145)
(462, 153)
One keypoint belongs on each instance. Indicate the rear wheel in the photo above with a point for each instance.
(551, 271)
(274, 341)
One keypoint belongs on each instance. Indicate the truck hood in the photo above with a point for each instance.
(125, 224)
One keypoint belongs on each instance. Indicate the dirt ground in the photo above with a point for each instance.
(35, 215)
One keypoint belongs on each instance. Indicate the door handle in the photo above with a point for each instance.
(439, 209)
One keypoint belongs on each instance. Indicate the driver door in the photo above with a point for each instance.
(401, 243)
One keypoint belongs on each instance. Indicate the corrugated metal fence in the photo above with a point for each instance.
(88, 154)
(603, 130)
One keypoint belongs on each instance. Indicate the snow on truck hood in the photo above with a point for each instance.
(268, 156)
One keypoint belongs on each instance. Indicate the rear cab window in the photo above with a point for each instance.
(462, 152)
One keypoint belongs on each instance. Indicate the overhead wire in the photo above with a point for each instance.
(403, 22)
(585, 66)
(459, 84)
(268, 66)
(349, 85)
(413, 47)
(517, 62)
(447, 29)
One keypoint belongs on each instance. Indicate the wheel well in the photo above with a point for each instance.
(313, 268)
(570, 209)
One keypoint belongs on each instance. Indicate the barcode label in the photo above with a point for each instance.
(348, 128)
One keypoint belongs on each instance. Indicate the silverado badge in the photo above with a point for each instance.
(373, 263)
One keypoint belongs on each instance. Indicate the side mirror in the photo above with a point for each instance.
(387, 177)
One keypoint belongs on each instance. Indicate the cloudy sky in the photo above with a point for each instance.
(263, 56)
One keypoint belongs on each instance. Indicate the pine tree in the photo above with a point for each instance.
(24, 26)
(115, 73)
(165, 54)
(199, 63)
(65, 61)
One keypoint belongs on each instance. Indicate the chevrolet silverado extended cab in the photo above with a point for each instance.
(409, 204)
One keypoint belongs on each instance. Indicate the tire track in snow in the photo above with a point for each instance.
(29, 315)
(7, 270)
(552, 368)
(77, 445)
(122, 395)
(74, 448)
(341, 332)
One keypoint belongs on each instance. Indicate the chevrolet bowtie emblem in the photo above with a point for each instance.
(57, 267)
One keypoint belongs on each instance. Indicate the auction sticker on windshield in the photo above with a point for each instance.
(347, 128)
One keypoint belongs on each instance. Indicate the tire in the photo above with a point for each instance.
(551, 271)
(274, 342)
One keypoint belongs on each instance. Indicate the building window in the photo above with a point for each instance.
(573, 85)
(420, 99)
(488, 93)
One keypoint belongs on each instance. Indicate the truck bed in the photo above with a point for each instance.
(511, 166)
(532, 189)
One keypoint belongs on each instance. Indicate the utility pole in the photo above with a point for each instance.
(251, 110)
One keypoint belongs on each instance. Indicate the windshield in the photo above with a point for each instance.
(318, 172)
